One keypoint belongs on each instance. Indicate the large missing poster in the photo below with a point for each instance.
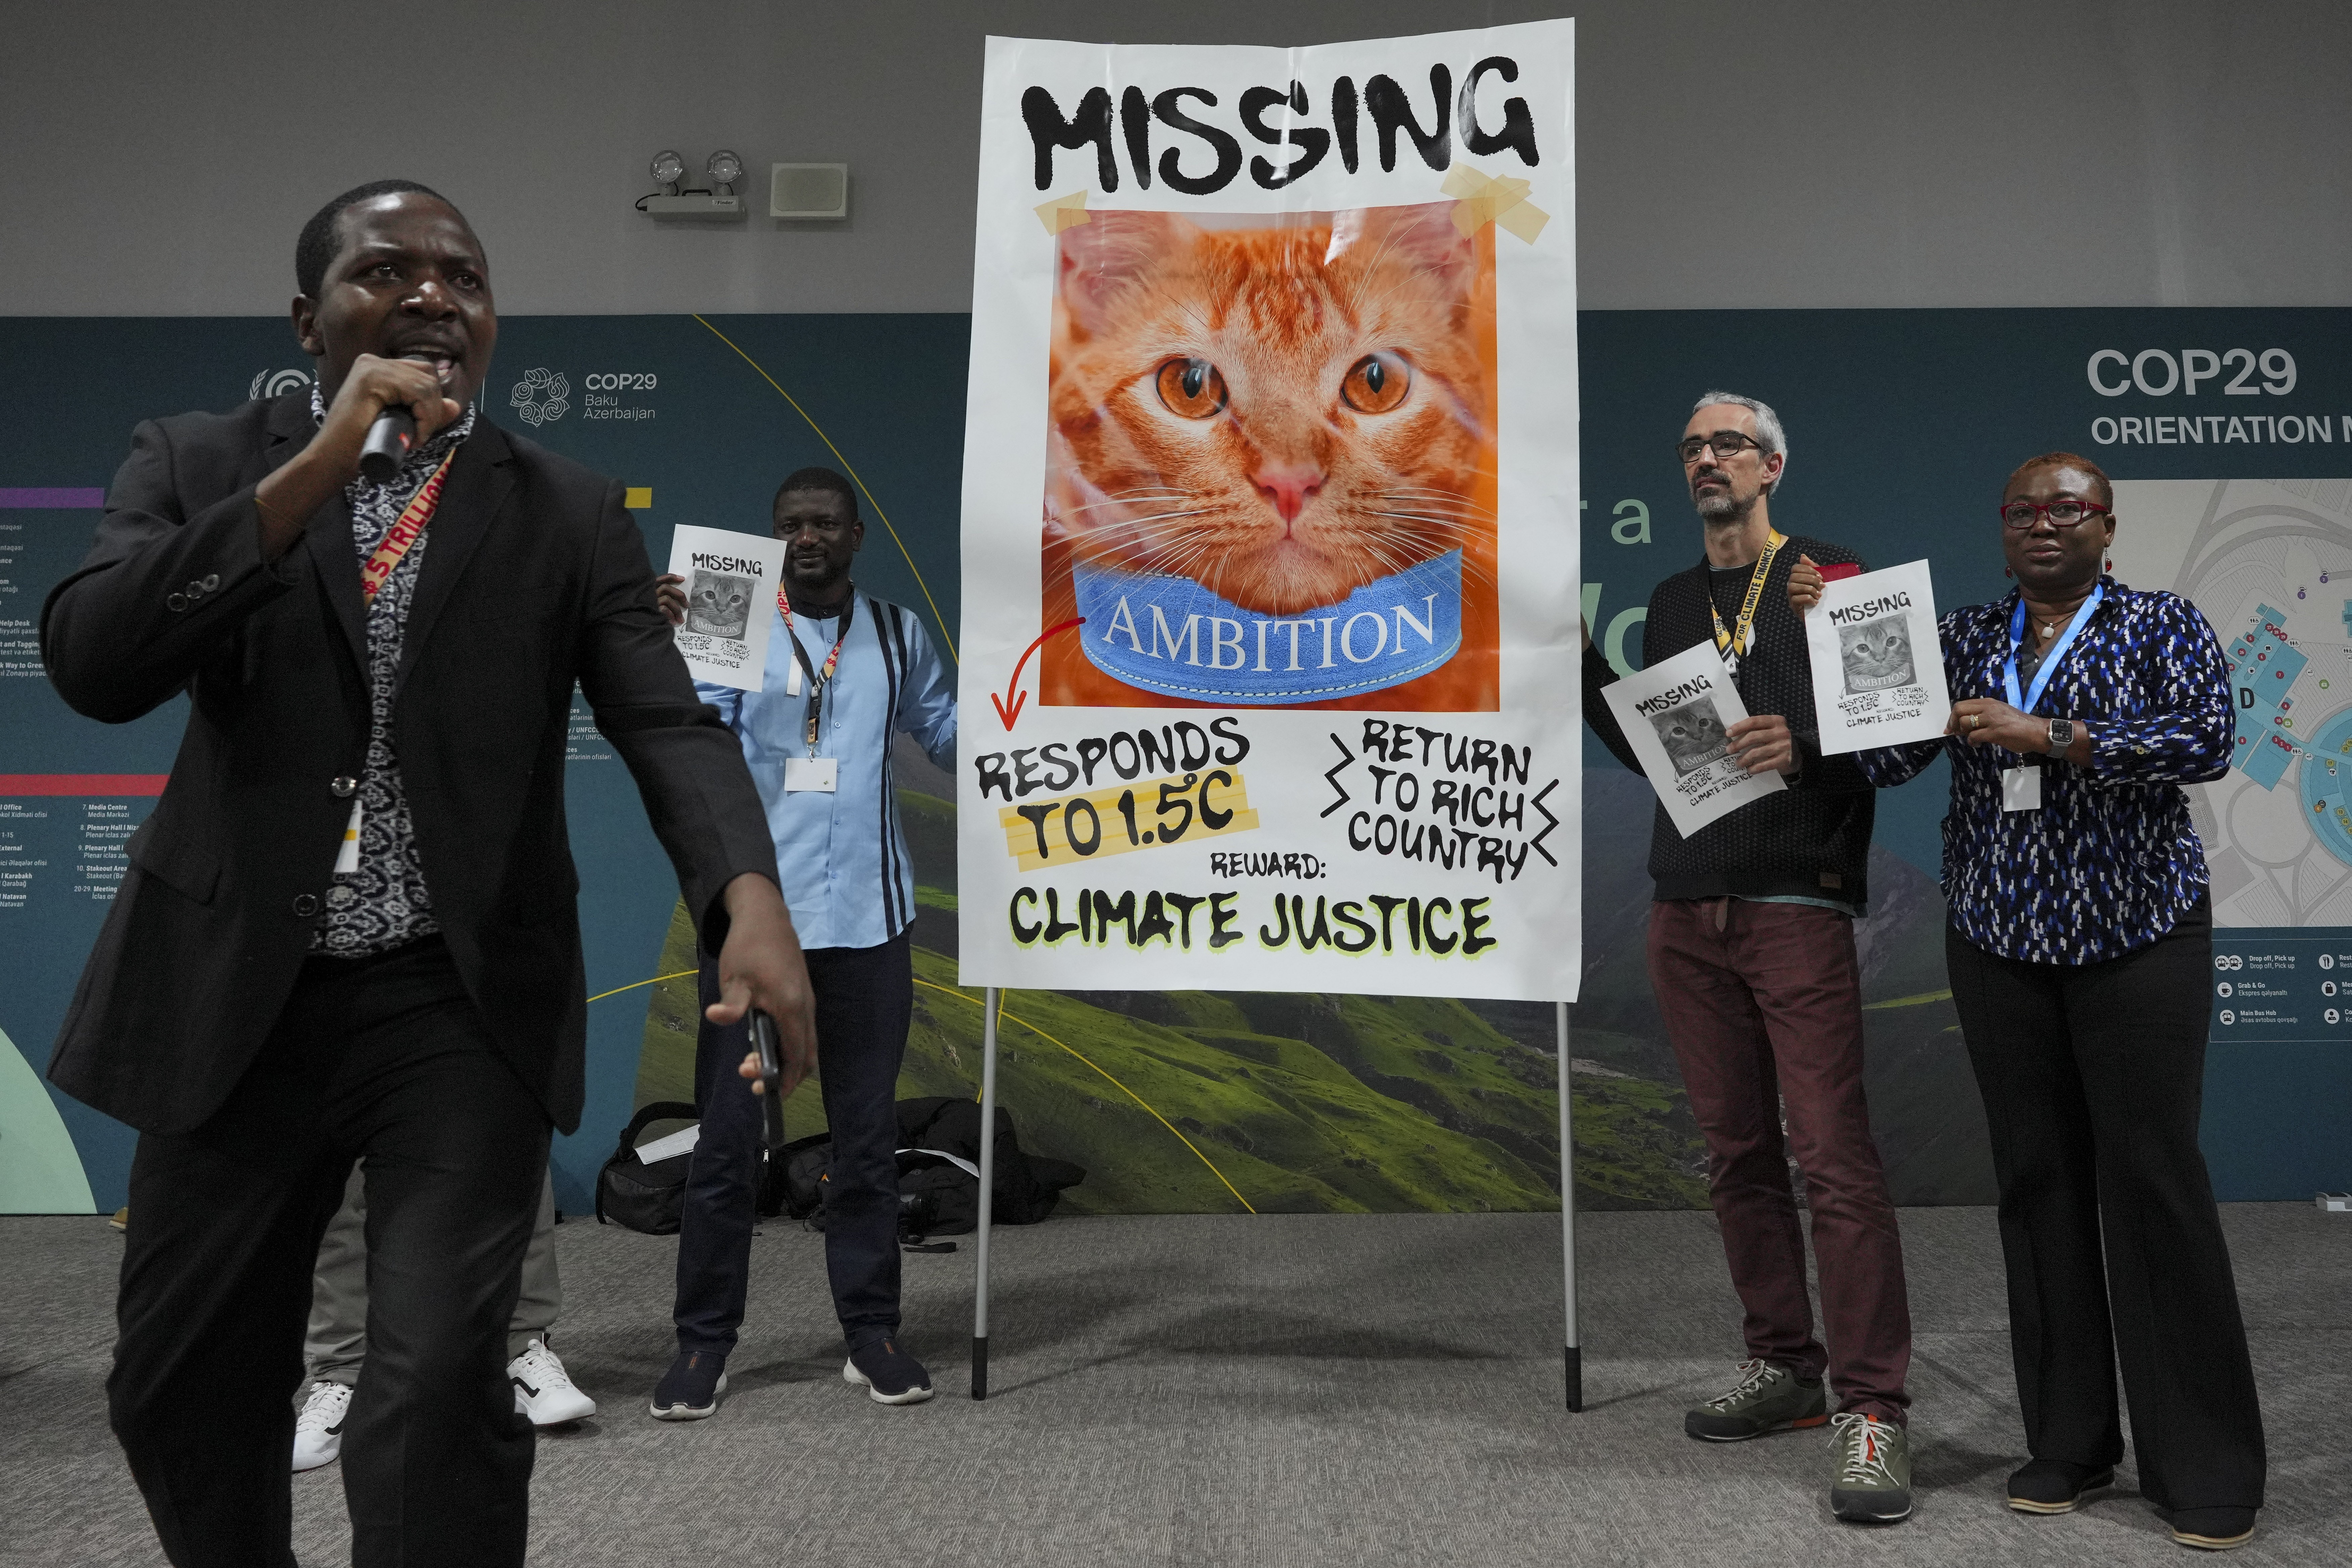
(1270, 519)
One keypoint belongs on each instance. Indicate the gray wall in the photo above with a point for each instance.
(159, 157)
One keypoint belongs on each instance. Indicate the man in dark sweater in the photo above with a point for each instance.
(1751, 954)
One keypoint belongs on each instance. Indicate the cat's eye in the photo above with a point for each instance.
(1192, 387)
(1377, 383)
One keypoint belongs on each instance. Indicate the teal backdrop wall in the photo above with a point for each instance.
(1902, 426)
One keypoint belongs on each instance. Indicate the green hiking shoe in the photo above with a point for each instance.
(1871, 1481)
(1766, 1398)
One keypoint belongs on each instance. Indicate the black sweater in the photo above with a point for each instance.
(1812, 840)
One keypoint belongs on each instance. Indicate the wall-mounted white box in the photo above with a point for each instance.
(808, 190)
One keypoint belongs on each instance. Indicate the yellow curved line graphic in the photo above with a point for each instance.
(945, 634)
(1130, 1094)
(632, 985)
(1921, 1000)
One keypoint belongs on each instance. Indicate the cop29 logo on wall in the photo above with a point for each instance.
(541, 396)
(277, 383)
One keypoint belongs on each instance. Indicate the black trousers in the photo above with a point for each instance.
(865, 1002)
(386, 1061)
(2093, 1077)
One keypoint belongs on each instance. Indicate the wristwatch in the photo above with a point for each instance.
(2062, 735)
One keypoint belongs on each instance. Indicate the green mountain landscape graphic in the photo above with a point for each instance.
(1197, 1101)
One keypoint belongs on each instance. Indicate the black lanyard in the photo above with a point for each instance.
(817, 682)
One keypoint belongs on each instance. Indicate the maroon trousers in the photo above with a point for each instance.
(1763, 1005)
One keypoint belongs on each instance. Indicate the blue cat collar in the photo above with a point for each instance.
(1171, 635)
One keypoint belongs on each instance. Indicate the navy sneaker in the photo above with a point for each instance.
(888, 1374)
(689, 1389)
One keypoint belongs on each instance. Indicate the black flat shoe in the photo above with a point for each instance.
(2213, 1529)
(2054, 1486)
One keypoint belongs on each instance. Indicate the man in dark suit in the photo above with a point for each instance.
(349, 932)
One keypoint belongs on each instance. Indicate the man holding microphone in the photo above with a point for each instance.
(348, 931)
(847, 672)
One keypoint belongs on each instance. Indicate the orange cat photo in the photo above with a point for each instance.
(1270, 475)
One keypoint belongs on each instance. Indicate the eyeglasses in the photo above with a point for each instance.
(2019, 515)
(1726, 444)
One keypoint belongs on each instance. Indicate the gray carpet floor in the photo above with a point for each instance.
(1339, 1390)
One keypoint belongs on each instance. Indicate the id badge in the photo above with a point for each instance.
(819, 773)
(347, 859)
(2021, 789)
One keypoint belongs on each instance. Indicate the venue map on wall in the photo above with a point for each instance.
(1269, 533)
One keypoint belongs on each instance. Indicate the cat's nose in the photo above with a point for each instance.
(1288, 488)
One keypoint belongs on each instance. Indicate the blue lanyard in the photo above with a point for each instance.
(2050, 660)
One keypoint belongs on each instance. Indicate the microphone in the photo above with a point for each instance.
(772, 1079)
(390, 438)
(388, 441)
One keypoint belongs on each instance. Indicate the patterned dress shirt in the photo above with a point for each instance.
(384, 903)
(2110, 863)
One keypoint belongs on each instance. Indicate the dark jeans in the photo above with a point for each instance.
(386, 1061)
(1763, 1005)
(2093, 1078)
(865, 1002)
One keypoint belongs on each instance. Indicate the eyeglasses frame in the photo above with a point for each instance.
(2091, 509)
(1707, 442)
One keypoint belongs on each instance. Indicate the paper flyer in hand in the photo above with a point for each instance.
(1673, 715)
(1879, 666)
(730, 582)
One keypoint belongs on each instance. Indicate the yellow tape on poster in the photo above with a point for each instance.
(1150, 813)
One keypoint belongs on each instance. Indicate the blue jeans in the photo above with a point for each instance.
(865, 1002)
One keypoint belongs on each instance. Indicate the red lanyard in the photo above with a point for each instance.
(832, 660)
(402, 535)
(817, 680)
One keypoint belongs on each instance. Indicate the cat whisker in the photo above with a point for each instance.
(1452, 526)
(1438, 497)
(1127, 497)
(1453, 529)
(1129, 524)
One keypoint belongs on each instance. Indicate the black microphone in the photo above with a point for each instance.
(772, 1079)
(391, 435)
(386, 447)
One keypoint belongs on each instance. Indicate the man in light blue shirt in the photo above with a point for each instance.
(846, 671)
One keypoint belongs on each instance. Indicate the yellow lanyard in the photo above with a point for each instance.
(1732, 642)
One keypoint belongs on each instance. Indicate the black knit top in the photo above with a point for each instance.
(1810, 841)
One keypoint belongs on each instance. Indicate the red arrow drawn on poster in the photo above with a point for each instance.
(1008, 707)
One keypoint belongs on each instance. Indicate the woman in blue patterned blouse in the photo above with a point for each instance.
(2080, 949)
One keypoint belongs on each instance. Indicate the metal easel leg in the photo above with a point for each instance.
(1572, 1356)
(987, 1193)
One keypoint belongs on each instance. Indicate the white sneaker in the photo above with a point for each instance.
(543, 1390)
(318, 1430)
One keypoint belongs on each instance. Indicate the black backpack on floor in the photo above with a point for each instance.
(648, 1198)
(640, 1197)
(939, 1172)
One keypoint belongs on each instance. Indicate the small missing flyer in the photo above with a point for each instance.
(1878, 665)
(1675, 715)
(731, 585)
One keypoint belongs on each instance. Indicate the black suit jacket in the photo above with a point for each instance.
(533, 577)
